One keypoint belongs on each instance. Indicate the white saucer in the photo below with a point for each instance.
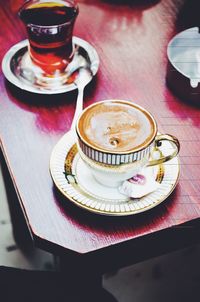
(75, 181)
(19, 70)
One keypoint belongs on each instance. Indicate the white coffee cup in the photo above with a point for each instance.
(117, 138)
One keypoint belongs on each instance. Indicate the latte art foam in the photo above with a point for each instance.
(115, 126)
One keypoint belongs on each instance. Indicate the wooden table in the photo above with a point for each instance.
(131, 39)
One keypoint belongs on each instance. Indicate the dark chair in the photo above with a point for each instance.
(33, 286)
(43, 286)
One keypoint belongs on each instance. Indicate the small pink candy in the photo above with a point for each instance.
(138, 179)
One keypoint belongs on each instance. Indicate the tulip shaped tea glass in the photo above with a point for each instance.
(49, 26)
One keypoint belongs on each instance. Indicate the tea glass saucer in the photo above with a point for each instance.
(75, 181)
(21, 72)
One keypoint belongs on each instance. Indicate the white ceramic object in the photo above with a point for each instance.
(112, 167)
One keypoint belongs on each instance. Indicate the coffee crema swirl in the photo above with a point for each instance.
(116, 126)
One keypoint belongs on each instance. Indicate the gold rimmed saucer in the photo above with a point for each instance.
(75, 181)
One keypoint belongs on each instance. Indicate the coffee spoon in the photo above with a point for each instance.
(84, 77)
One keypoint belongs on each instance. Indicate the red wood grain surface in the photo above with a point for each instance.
(131, 39)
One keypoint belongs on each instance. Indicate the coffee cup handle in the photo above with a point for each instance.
(158, 142)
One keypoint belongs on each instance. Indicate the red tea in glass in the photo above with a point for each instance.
(49, 26)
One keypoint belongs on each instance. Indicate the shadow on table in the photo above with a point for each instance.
(139, 4)
(108, 224)
(118, 8)
(134, 4)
